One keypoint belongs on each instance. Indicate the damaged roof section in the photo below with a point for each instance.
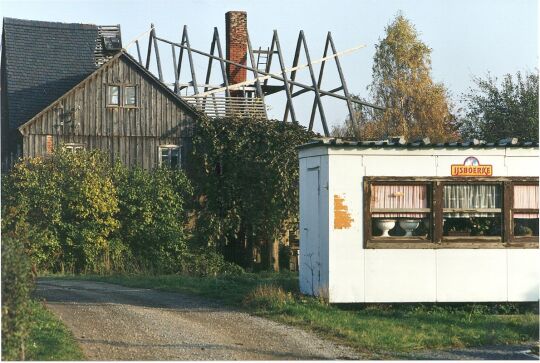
(43, 60)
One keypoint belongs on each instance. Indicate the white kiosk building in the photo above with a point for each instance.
(390, 221)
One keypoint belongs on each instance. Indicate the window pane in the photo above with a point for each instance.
(475, 196)
(175, 158)
(170, 156)
(471, 226)
(402, 226)
(526, 226)
(526, 197)
(399, 197)
(114, 95)
(164, 155)
(130, 96)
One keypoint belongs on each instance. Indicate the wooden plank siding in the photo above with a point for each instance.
(132, 134)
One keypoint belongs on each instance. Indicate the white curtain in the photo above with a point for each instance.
(399, 197)
(526, 197)
(471, 196)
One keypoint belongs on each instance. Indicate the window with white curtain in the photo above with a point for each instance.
(400, 210)
(451, 212)
(525, 210)
(472, 210)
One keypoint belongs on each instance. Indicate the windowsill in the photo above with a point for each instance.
(521, 239)
(377, 244)
(452, 239)
(118, 107)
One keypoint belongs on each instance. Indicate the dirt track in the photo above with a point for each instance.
(113, 322)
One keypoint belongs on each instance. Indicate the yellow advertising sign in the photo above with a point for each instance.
(471, 167)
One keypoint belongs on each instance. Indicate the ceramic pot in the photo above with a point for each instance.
(409, 225)
(385, 225)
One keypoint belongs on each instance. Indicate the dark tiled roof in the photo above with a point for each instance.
(43, 61)
(399, 142)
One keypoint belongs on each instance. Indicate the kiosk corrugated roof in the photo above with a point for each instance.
(400, 142)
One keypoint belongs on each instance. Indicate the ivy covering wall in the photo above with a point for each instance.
(245, 175)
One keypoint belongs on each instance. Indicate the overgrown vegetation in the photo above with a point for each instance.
(246, 180)
(385, 329)
(152, 217)
(67, 204)
(76, 213)
(17, 284)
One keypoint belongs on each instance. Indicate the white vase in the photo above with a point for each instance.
(409, 225)
(385, 225)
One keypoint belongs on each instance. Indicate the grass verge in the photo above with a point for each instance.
(370, 328)
(49, 339)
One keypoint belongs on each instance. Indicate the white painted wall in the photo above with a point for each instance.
(351, 274)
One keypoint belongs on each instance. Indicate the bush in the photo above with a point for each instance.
(209, 263)
(268, 297)
(85, 215)
(152, 217)
(70, 200)
(17, 284)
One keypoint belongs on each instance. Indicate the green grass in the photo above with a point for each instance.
(49, 339)
(369, 328)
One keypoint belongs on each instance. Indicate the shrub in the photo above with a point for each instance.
(152, 216)
(203, 262)
(17, 284)
(268, 297)
(69, 202)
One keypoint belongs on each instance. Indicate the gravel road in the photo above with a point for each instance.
(113, 322)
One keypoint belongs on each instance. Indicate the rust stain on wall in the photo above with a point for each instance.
(342, 217)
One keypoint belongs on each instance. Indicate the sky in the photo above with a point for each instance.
(467, 37)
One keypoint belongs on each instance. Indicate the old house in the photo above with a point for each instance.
(72, 85)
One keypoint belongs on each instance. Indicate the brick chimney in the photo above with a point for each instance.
(236, 44)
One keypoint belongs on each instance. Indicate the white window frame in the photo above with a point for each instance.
(170, 147)
(124, 95)
(73, 147)
(109, 104)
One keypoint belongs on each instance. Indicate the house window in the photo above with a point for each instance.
(472, 210)
(74, 148)
(524, 212)
(421, 212)
(400, 211)
(170, 156)
(130, 96)
(113, 95)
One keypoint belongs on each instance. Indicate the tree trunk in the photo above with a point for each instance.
(273, 255)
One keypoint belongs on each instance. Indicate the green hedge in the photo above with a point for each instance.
(85, 215)
(17, 284)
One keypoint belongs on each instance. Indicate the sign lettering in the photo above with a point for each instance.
(471, 167)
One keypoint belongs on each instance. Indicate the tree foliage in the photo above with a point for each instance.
(415, 105)
(495, 111)
(246, 178)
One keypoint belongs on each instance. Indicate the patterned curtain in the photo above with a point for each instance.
(526, 197)
(399, 197)
(471, 196)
